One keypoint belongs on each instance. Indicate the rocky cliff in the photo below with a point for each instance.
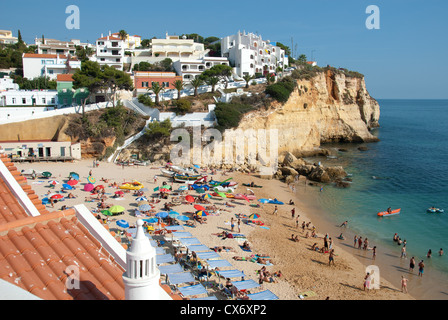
(328, 108)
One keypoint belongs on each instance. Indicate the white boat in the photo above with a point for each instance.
(172, 170)
(224, 189)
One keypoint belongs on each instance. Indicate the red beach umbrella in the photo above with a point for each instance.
(72, 182)
(119, 192)
(199, 208)
(189, 198)
(57, 196)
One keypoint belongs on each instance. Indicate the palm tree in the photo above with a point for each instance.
(123, 34)
(178, 85)
(196, 82)
(212, 81)
(247, 78)
(156, 88)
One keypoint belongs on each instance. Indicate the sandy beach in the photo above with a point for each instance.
(305, 272)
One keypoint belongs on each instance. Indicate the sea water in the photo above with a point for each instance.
(407, 169)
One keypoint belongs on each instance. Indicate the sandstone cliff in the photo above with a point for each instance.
(328, 108)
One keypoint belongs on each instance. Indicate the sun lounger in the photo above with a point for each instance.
(230, 273)
(189, 241)
(207, 255)
(206, 298)
(164, 258)
(263, 295)
(245, 284)
(179, 234)
(198, 247)
(218, 263)
(193, 290)
(175, 228)
(171, 268)
(179, 278)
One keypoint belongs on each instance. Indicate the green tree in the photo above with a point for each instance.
(212, 81)
(114, 80)
(183, 106)
(122, 34)
(302, 59)
(90, 78)
(156, 88)
(286, 48)
(19, 37)
(220, 70)
(247, 78)
(196, 83)
(146, 43)
(158, 130)
(178, 85)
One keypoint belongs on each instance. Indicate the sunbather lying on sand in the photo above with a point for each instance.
(238, 258)
(221, 248)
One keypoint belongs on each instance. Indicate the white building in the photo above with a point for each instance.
(249, 54)
(131, 42)
(48, 65)
(110, 51)
(29, 98)
(175, 48)
(6, 83)
(24, 149)
(6, 37)
(189, 69)
(53, 46)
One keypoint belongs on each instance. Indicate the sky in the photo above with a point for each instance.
(404, 59)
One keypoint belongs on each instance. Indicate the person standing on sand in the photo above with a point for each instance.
(367, 280)
(331, 257)
(275, 211)
(355, 240)
(421, 267)
(403, 252)
(232, 224)
(359, 242)
(293, 212)
(239, 225)
(412, 265)
(404, 284)
(374, 253)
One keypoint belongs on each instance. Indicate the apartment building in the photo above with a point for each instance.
(6, 37)
(110, 51)
(48, 65)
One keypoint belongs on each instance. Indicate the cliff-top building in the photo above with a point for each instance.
(249, 54)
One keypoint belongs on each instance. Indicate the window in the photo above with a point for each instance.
(53, 100)
(117, 60)
(114, 44)
(187, 76)
(115, 53)
(165, 84)
(13, 100)
(50, 71)
(251, 56)
(102, 59)
(201, 67)
(44, 101)
(23, 100)
(145, 84)
(184, 67)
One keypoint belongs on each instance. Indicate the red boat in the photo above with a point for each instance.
(391, 213)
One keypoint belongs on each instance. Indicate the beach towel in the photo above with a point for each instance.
(245, 249)
(193, 290)
(263, 295)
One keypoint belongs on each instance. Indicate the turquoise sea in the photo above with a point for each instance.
(407, 169)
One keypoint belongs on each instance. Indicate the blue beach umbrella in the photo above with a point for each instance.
(182, 218)
(67, 186)
(122, 223)
(152, 220)
(162, 214)
(141, 199)
(144, 207)
(173, 214)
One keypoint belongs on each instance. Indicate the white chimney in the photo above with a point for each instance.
(141, 278)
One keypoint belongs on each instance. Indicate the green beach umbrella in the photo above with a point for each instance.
(116, 209)
(106, 212)
(47, 174)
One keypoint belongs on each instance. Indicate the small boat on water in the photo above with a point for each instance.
(387, 213)
(434, 210)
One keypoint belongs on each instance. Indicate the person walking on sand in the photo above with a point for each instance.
(374, 253)
(275, 211)
(403, 252)
(239, 225)
(404, 284)
(367, 281)
(293, 212)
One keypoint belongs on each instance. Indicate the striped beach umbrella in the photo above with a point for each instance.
(91, 179)
(254, 216)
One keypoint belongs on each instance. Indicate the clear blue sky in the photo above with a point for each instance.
(406, 58)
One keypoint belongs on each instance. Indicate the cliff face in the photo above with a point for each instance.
(328, 108)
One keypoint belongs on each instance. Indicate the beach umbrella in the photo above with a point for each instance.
(183, 188)
(140, 203)
(144, 207)
(91, 179)
(173, 214)
(100, 186)
(141, 199)
(206, 195)
(119, 192)
(162, 214)
(54, 182)
(200, 190)
(47, 174)
(67, 186)
(122, 223)
(45, 200)
(116, 209)
(254, 216)
(189, 198)
(75, 176)
(201, 213)
(182, 218)
(199, 207)
(72, 182)
(152, 220)
(196, 166)
(72, 174)
(57, 196)
(165, 190)
(106, 212)
(263, 200)
(88, 187)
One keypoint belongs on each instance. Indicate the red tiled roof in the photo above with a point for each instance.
(35, 252)
(109, 38)
(65, 77)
